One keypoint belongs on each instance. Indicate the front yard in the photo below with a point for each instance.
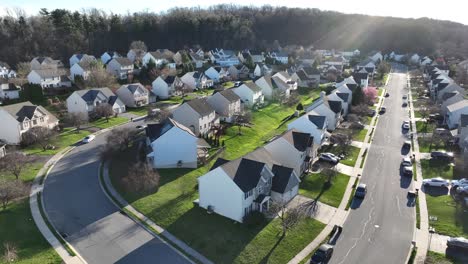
(314, 186)
(351, 154)
(103, 123)
(436, 168)
(360, 135)
(425, 127)
(426, 145)
(66, 138)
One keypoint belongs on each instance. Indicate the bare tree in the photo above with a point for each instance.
(104, 111)
(77, 120)
(361, 110)
(242, 118)
(141, 177)
(342, 139)
(11, 252)
(182, 89)
(289, 216)
(42, 136)
(330, 174)
(10, 190)
(14, 163)
(121, 137)
(99, 77)
(23, 69)
(157, 115)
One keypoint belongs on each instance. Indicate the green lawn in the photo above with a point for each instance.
(228, 84)
(451, 218)
(437, 258)
(103, 123)
(426, 146)
(381, 91)
(417, 114)
(360, 135)
(18, 228)
(313, 186)
(140, 111)
(66, 138)
(424, 127)
(436, 168)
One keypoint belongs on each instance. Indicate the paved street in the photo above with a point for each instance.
(379, 229)
(79, 209)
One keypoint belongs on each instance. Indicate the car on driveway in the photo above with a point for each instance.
(361, 191)
(442, 155)
(460, 182)
(436, 182)
(88, 139)
(238, 83)
(406, 161)
(322, 255)
(329, 157)
(406, 125)
(457, 242)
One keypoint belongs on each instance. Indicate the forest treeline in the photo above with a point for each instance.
(59, 33)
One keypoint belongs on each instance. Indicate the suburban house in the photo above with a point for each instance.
(8, 90)
(224, 58)
(135, 55)
(261, 69)
(165, 87)
(236, 188)
(425, 61)
(284, 82)
(351, 84)
(45, 63)
(332, 110)
(226, 103)
(197, 80)
(133, 95)
(269, 88)
(452, 87)
(159, 57)
(362, 79)
(366, 66)
(238, 71)
(85, 101)
(302, 80)
(450, 99)
(198, 58)
(377, 57)
(19, 118)
(314, 124)
(173, 145)
(82, 68)
(463, 133)
(250, 94)
(344, 88)
(336, 95)
(75, 58)
(120, 68)
(337, 61)
(197, 115)
(454, 112)
(280, 56)
(350, 54)
(49, 78)
(293, 149)
(108, 56)
(216, 74)
(414, 59)
(257, 56)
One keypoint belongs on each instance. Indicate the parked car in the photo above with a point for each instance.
(383, 109)
(408, 171)
(460, 182)
(238, 83)
(407, 144)
(387, 95)
(442, 155)
(462, 189)
(404, 104)
(361, 191)
(405, 97)
(88, 139)
(406, 125)
(406, 162)
(329, 157)
(372, 112)
(436, 182)
(457, 242)
(322, 255)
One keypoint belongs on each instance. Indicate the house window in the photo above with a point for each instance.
(248, 194)
(35, 122)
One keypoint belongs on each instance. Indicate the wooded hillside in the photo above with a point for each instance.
(60, 33)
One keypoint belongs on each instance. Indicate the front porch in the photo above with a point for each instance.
(262, 203)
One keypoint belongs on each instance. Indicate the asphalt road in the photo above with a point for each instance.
(77, 207)
(379, 228)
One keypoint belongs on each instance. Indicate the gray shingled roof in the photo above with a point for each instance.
(301, 141)
(26, 109)
(230, 95)
(200, 106)
(284, 179)
(335, 106)
(252, 86)
(123, 61)
(344, 96)
(318, 120)
(245, 173)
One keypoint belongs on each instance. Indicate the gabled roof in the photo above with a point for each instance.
(123, 61)
(284, 179)
(359, 76)
(343, 96)
(48, 73)
(219, 162)
(301, 141)
(230, 95)
(335, 106)
(201, 106)
(463, 120)
(365, 62)
(458, 106)
(155, 131)
(311, 70)
(245, 173)
(317, 120)
(26, 109)
(113, 99)
(133, 87)
(252, 86)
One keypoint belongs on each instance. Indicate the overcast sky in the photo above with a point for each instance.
(454, 10)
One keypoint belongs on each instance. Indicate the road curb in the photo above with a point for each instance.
(112, 194)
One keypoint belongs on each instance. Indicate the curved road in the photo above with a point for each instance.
(78, 208)
(379, 228)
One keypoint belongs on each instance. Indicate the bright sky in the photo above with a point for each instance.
(454, 10)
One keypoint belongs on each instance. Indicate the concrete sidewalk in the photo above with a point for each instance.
(324, 212)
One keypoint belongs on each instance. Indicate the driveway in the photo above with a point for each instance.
(379, 228)
(78, 208)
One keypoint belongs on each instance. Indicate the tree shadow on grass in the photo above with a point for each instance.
(268, 255)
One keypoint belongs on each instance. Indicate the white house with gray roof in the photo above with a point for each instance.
(226, 103)
(197, 115)
(85, 101)
(197, 80)
(329, 108)
(454, 112)
(18, 118)
(49, 78)
(236, 188)
(173, 145)
(133, 95)
(107, 56)
(166, 86)
(78, 57)
(81, 68)
(120, 67)
(314, 124)
(8, 90)
(250, 94)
